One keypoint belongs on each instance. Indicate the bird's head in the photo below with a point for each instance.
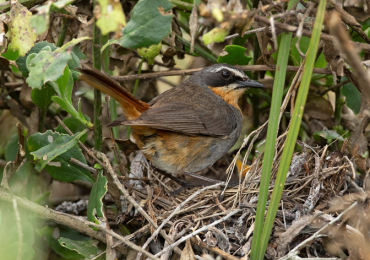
(226, 81)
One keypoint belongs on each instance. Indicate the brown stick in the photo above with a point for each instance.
(308, 33)
(192, 71)
(213, 249)
(337, 29)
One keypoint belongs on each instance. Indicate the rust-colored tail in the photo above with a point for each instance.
(132, 107)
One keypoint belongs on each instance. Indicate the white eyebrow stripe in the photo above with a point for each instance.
(236, 72)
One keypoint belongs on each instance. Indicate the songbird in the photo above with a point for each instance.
(189, 127)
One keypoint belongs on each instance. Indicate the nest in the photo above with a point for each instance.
(213, 220)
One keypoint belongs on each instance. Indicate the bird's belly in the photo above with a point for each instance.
(178, 153)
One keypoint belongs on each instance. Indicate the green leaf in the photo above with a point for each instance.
(353, 97)
(9, 240)
(303, 46)
(42, 97)
(60, 168)
(215, 35)
(74, 125)
(328, 135)
(40, 21)
(47, 66)
(21, 33)
(73, 62)
(64, 86)
(150, 53)
(321, 62)
(10, 54)
(149, 24)
(259, 243)
(11, 149)
(95, 206)
(21, 61)
(86, 248)
(54, 244)
(111, 17)
(234, 55)
(55, 147)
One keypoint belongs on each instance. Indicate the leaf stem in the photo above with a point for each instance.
(98, 133)
(259, 241)
(292, 133)
(182, 5)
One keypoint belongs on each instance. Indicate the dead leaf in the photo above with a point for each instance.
(358, 145)
(318, 107)
(292, 232)
(187, 252)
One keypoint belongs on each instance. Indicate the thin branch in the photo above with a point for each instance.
(56, 217)
(236, 35)
(213, 249)
(352, 167)
(87, 150)
(308, 33)
(337, 29)
(340, 84)
(177, 209)
(178, 242)
(107, 166)
(192, 71)
(309, 240)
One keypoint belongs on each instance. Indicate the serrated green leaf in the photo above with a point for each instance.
(98, 191)
(111, 17)
(21, 61)
(21, 33)
(234, 55)
(86, 248)
(149, 24)
(215, 35)
(47, 66)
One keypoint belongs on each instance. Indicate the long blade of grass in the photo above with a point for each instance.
(277, 96)
(293, 131)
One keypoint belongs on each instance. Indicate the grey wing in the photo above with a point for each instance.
(188, 119)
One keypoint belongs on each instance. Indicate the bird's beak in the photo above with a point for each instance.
(248, 83)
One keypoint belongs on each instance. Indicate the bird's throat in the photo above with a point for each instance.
(231, 96)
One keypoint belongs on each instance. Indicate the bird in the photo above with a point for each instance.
(186, 128)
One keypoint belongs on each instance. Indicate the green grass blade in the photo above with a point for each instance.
(277, 96)
(293, 131)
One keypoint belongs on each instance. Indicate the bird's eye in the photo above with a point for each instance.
(225, 74)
